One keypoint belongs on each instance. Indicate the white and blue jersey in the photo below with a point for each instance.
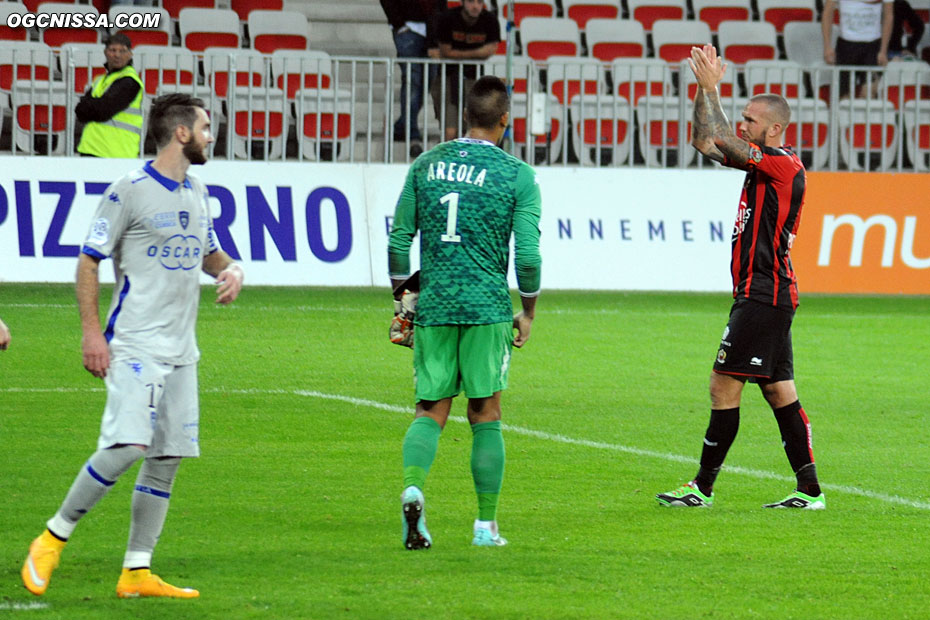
(157, 231)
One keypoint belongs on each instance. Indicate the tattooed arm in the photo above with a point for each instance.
(712, 133)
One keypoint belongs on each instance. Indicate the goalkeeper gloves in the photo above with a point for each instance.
(405, 310)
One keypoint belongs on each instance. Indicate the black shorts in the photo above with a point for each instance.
(857, 53)
(756, 344)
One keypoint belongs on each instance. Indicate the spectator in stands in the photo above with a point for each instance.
(112, 106)
(865, 31)
(903, 12)
(4, 335)
(409, 20)
(469, 32)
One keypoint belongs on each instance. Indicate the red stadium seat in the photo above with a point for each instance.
(674, 38)
(647, 12)
(712, 12)
(542, 37)
(144, 36)
(583, 10)
(56, 37)
(528, 8)
(780, 12)
(205, 28)
(275, 30)
(7, 33)
(609, 39)
(742, 41)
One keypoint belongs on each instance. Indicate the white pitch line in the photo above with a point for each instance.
(529, 432)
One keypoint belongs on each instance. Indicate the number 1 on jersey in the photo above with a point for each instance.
(452, 200)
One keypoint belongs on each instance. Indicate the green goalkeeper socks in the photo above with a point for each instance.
(420, 444)
(487, 466)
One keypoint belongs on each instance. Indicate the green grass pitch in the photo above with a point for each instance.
(293, 509)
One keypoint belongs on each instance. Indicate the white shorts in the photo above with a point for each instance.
(151, 404)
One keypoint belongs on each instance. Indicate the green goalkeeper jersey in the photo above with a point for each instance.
(466, 197)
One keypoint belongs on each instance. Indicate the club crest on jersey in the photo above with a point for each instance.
(755, 154)
(185, 218)
(721, 356)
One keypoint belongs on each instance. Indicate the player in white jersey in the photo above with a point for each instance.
(155, 224)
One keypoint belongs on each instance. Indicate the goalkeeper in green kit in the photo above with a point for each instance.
(466, 197)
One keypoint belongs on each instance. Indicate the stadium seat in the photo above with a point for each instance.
(24, 60)
(728, 86)
(275, 30)
(56, 37)
(244, 7)
(144, 36)
(12, 34)
(812, 144)
(664, 130)
(804, 43)
(905, 81)
(609, 39)
(712, 12)
(580, 11)
(324, 117)
(781, 77)
(867, 128)
(549, 143)
(672, 39)
(164, 66)
(781, 12)
(293, 70)
(204, 28)
(257, 120)
(542, 37)
(523, 70)
(39, 111)
(528, 8)
(248, 67)
(741, 41)
(917, 132)
(568, 76)
(647, 12)
(601, 125)
(173, 7)
(83, 62)
(634, 78)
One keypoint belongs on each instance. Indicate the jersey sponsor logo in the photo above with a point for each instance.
(742, 217)
(165, 219)
(178, 252)
(113, 197)
(100, 231)
(755, 361)
(185, 218)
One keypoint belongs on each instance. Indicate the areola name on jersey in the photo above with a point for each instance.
(454, 171)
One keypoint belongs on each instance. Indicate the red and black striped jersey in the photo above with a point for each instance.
(766, 225)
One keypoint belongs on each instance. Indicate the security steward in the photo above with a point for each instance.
(112, 107)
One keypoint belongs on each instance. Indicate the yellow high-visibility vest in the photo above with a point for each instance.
(120, 136)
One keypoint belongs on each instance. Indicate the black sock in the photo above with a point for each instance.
(807, 480)
(724, 424)
(796, 438)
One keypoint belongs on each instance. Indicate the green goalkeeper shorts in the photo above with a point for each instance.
(449, 358)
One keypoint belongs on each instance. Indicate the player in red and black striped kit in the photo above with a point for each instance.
(756, 344)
